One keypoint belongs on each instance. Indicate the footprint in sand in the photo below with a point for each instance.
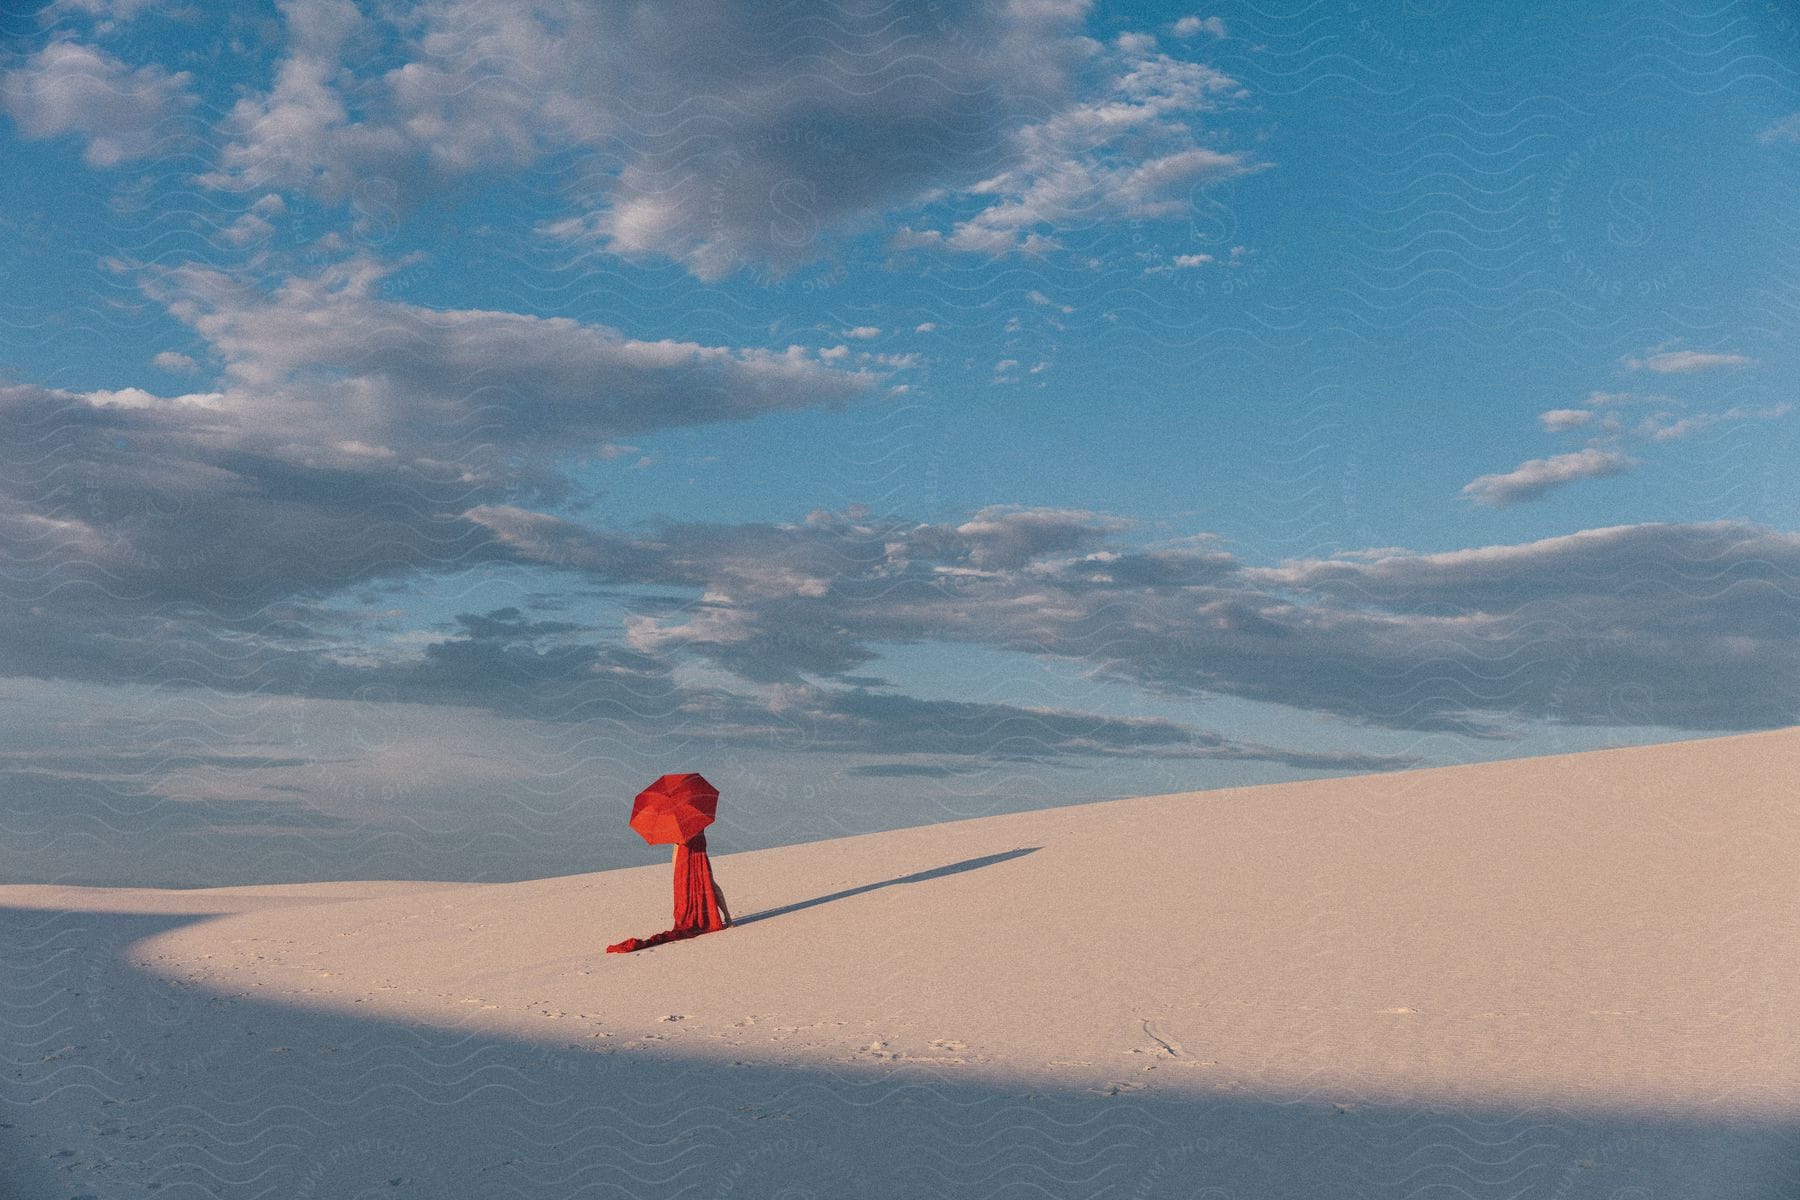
(1117, 1089)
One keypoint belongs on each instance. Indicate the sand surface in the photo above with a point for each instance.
(1554, 977)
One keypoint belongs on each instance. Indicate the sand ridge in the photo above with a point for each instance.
(1614, 927)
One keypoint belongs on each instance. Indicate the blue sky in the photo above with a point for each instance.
(425, 423)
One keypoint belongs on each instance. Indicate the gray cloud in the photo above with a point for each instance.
(562, 672)
(179, 540)
(173, 540)
(886, 723)
(122, 808)
(173, 555)
(111, 507)
(541, 670)
(902, 770)
(1002, 537)
(1690, 626)
(185, 538)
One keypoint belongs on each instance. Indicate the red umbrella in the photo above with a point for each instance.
(676, 809)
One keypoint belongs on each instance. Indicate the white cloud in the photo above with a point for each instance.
(1042, 301)
(1606, 428)
(1617, 399)
(925, 327)
(1661, 428)
(1129, 153)
(1785, 130)
(893, 111)
(246, 229)
(715, 143)
(300, 134)
(861, 332)
(1181, 262)
(1003, 536)
(1533, 479)
(169, 360)
(1672, 362)
(68, 87)
(1560, 420)
(110, 11)
(1189, 26)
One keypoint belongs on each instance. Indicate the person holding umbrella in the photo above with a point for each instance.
(675, 810)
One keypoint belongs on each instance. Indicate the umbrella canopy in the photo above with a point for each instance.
(674, 808)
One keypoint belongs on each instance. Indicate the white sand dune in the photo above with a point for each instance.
(1560, 976)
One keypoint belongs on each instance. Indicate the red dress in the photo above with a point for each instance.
(699, 904)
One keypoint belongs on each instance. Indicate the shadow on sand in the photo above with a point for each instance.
(968, 864)
(122, 1084)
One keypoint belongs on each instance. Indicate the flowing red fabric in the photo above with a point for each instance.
(699, 904)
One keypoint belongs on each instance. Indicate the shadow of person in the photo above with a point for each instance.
(969, 864)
